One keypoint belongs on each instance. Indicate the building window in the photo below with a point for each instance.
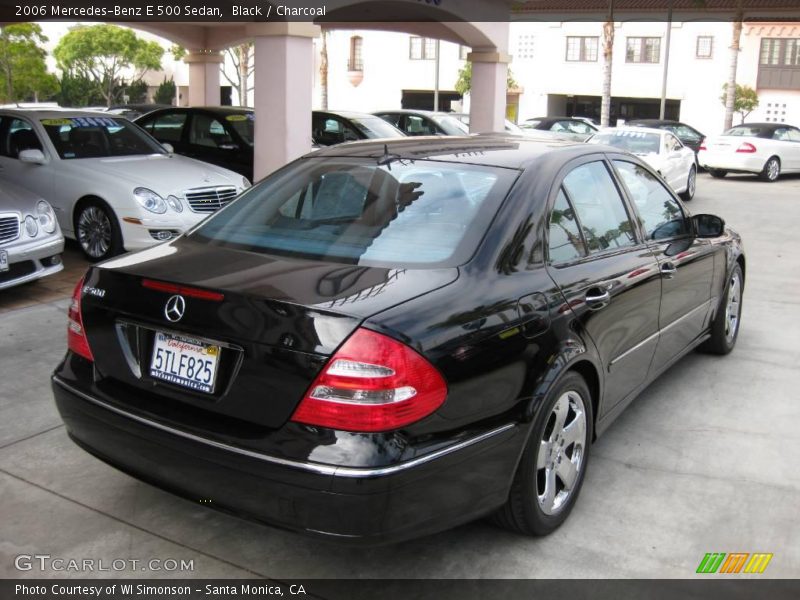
(776, 52)
(705, 46)
(463, 51)
(422, 48)
(355, 63)
(643, 50)
(582, 49)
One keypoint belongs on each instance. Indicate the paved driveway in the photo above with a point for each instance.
(704, 461)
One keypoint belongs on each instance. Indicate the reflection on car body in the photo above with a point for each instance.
(411, 334)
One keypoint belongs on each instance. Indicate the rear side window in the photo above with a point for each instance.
(420, 213)
(167, 128)
(565, 242)
(660, 214)
(600, 208)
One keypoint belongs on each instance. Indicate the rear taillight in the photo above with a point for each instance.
(746, 148)
(76, 336)
(372, 383)
(702, 146)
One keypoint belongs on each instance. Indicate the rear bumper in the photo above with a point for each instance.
(430, 493)
(731, 161)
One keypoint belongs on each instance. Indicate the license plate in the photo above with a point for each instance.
(184, 361)
(4, 261)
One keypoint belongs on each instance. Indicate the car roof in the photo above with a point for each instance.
(414, 111)
(60, 113)
(491, 149)
(636, 129)
(347, 114)
(655, 122)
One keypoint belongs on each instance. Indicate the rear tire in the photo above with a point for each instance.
(691, 184)
(97, 230)
(772, 170)
(552, 468)
(717, 173)
(725, 328)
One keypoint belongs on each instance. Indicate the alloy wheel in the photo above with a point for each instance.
(733, 308)
(692, 183)
(561, 453)
(773, 169)
(94, 231)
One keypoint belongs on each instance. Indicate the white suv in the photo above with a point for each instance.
(113, 187)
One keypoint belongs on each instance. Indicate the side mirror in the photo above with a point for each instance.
(33, 156)
(168, 148)
(708, 226)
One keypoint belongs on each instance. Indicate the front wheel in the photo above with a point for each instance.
(725, 328)
(772, 170)
(553, 465)
(97, 231)
(691, 184)
(717, 173)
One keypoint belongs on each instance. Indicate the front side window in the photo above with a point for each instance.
(565, 241)
(355, 211)
(582, 49)
(98, 137)
(328, 131)
(659, 213)
(208, 131)
(19, 136)
(600, 208)
(416, 125)
(643, 50)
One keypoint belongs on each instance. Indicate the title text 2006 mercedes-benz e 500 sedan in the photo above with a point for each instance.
(384, 340)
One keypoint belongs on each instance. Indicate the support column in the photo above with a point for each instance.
(284, 78)
(204, 67)
(487, 102)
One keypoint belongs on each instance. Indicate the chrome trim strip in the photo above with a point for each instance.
(704, 305)
(318, 469)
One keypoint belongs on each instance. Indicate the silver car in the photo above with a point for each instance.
(30, 238)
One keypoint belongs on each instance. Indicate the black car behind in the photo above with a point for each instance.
(383, 340)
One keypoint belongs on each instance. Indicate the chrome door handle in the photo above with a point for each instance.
(597, 301)
(668, 270)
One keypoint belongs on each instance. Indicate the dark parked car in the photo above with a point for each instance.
(386, 339)
(334, 127)
(577, 129)
(424, 122)
(220, 135)
(689, 136)
(134, 111)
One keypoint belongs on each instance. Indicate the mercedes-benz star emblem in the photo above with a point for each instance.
(175, 308)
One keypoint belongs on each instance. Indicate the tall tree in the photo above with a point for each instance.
(323, 71)
(608, 53)
(730, 90)
(23, 70)
(112, 57)
(242, 58)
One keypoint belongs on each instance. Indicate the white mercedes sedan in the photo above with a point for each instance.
(765, 149)
(112, 185)
(658, 148)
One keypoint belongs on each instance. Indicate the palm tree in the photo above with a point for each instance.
(608, 51)
(730, 90)
(323, 71)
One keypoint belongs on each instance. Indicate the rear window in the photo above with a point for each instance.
(410, 214)
(750, 131)
(636, 142)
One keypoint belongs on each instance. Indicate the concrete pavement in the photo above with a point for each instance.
(704, 461)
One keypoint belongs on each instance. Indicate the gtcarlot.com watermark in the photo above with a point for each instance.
(48, 563)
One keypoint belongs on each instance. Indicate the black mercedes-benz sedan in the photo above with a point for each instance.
(385, 339)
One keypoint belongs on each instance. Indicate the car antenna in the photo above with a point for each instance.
(387, 158)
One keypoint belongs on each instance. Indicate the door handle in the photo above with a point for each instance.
(597, 301)
(668, 270)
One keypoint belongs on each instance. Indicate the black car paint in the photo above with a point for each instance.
(502, 329)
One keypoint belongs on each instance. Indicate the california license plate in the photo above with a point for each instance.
(184, 361)
(4, 261)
